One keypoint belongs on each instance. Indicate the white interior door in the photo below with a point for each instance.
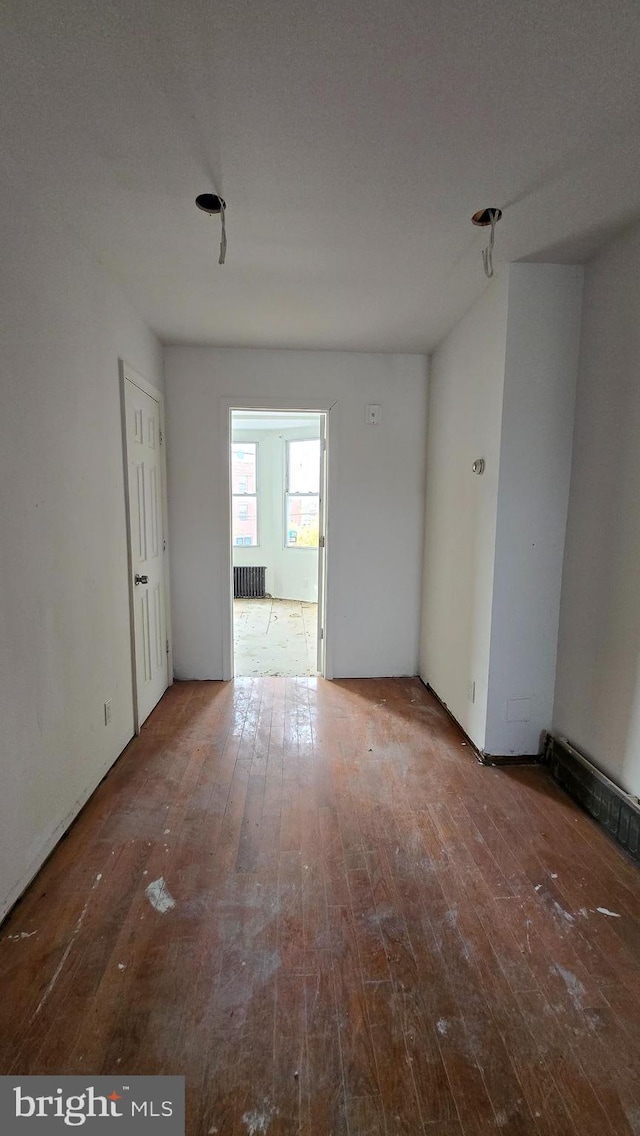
(147, 543)
(322, 544)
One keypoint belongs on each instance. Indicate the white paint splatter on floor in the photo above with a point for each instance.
(22, 935)
(528, 924)
(258, 1121)
(566, 915)
(67, 952)
(611, 914)
(574, 986)
(159, 896)
(442, 1027)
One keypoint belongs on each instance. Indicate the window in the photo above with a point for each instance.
(302, 505)
(244, 499)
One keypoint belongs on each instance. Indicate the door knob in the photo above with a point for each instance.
(141, 579)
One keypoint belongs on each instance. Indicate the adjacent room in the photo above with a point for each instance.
(277, 469)
(319, 606)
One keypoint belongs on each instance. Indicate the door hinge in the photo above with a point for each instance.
(161, 437)
(164, 545)
(167, 646)
(322, 632)
(321, 542)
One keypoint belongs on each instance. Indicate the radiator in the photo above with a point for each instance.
(248, 582)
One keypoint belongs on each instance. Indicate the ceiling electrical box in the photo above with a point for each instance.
(373, 414)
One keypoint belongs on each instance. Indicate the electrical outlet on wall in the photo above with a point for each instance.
(373, 414)
(107, 712)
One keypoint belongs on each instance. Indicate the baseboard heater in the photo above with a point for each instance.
(248, 582)
(606, 802)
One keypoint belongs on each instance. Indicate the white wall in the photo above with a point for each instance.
(374, 542)
(543, 334)
(64, 630)
(292, 573)
(597, 704)
(502, 388)
(465, 407)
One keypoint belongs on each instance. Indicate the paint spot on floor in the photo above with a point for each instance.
(575, 989)
(122, 966)
(258, 1121)
(159, 896)
(76, 931)
(442, 1027)
(566, 915)
(22, 935)
(605, 911)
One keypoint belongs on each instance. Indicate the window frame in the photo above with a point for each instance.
(245, 496)
(288, 442)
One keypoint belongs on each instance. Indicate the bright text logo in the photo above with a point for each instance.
(135, 1106)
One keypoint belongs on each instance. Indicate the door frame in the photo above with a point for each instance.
(127, 374)
(269, 405)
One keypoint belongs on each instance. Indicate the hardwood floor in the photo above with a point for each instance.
(275, 637)
(313, 902)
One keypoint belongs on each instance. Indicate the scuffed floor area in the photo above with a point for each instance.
(310, 900)
(274, 637)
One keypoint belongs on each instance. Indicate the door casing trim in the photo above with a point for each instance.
(128, 374)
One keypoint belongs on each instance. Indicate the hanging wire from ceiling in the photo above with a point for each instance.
(484, 218)
(223, 233)
(487, 253)
(212, 204)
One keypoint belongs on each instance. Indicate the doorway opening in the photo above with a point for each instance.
(278, 521)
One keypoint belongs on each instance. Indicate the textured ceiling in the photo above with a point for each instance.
(352, 142)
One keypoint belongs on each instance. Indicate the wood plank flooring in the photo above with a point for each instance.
(275, 637)
(313, 902)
